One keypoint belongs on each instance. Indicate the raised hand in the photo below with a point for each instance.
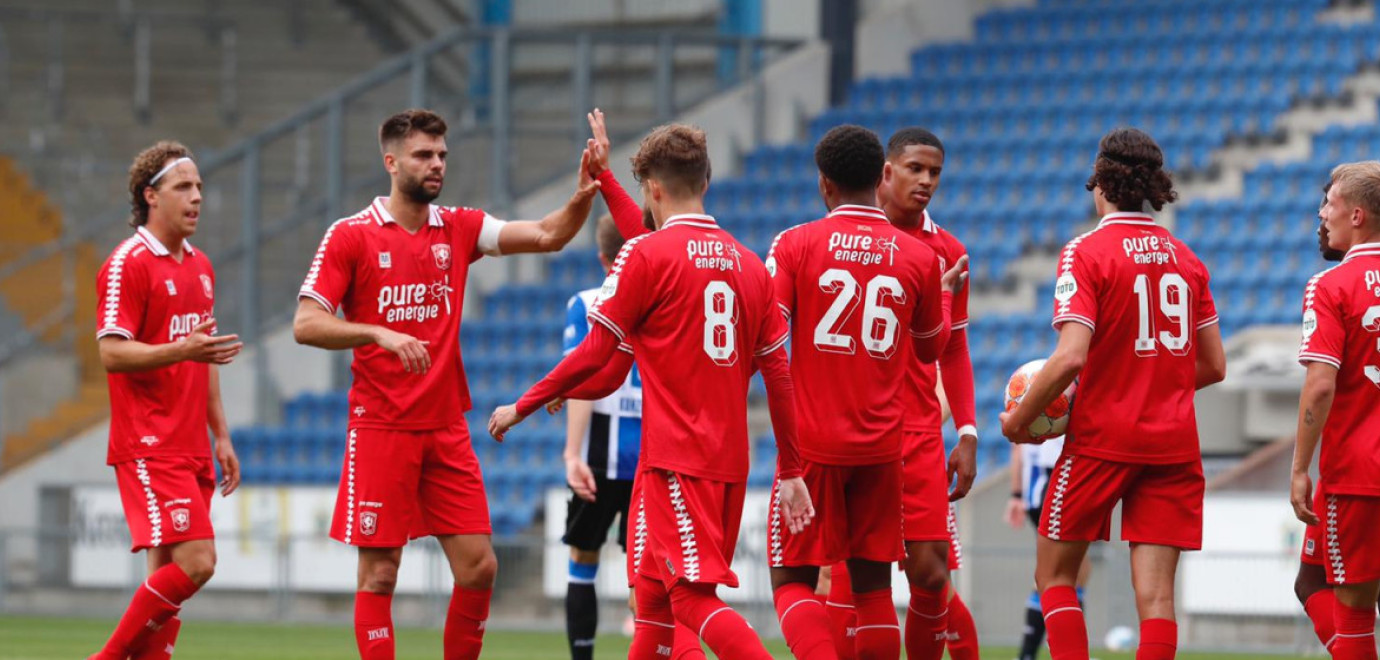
(953, 279)
(598, 146)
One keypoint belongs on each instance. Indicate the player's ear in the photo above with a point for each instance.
(151, 196)
(887, 172)
(825, 190)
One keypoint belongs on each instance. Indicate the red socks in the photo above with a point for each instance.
(1319, 607)
(156, 601)
(1159, 638)
(804, 622)
(687, 644)
(654, 627)
(159, 645)
(726, 632)
(843, 618)
(1355, 633)
(927, 624)
(1064, 625)
(374, 625)
(465, 619)
(878, 633)
(963, 639)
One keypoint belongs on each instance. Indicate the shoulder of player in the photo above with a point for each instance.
(456, 214)
(1332, 277)
(955, 247)
(788, 234)
(637, 245)
(130, 253)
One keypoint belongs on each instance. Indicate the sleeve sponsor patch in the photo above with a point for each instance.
(1065, 287)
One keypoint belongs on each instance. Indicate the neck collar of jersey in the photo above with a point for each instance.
(1363, 250)
(156, 246)
(1126, 218)
(859, 211)
(383, 217)
(928, 224)
(699, 220)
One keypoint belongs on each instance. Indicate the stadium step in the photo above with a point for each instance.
(68, 419)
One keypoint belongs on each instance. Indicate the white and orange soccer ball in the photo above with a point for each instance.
(1055, 419)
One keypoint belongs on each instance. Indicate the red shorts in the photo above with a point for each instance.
(955, 545)
(1349, 524)
(1160, 504)
(401, 485)
(690, 526)
(1314, 546)
(167, 500)
(857, 516)
(925, 488)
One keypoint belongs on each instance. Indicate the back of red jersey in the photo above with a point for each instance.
(697, 308)
(923, 413)
(1341, 327)
(856, 290)
(1145, 295)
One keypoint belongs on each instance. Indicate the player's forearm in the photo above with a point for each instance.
(1015, 471)
(627, 215)
(776, 373)
(314, 326)
(956, 373)
(928, 349)
(1210, 367)
(126, 355)
(560, 226)
(215, 410)
(577, 416)
(586, 360)
(1315, 403)
(606, 381)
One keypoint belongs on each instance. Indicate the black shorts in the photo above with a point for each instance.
(1033, 515)
(587, 523)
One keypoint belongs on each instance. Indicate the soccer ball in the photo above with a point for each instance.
(1055, 419)
(1120, 638)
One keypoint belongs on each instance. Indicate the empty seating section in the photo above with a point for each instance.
(1020, 110)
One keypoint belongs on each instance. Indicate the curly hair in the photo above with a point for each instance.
(676, 155)
(1130, 171)
(145, 166)
(851, 156)
(405, 123)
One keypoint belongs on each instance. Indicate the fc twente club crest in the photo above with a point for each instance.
(368, 523)
(442, 253)
(181, 519)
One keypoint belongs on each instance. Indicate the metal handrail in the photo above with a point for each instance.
(331, 108)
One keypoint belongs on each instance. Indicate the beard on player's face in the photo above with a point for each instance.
(415, 188)
(1328, 253)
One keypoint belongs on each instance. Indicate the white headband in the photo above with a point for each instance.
(167, 168)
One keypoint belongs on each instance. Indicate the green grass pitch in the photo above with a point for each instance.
(26, 638)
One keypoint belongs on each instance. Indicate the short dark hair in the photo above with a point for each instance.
(145, 166)
(677, 155)
(851, 156)
(608, 238)
(1130, 171)
(912, 135)
(407, 122)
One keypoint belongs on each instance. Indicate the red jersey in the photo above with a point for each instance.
(855, 289)
(1341, 327)
(377, 273)
(921, 400)
(697, 307)
(144, 294)
(1145, 295)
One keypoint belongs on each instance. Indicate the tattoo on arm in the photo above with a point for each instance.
(1308, 417)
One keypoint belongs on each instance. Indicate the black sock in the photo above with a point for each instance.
(1034, 635)
(581, 620)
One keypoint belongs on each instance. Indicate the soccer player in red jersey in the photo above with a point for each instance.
(1138, 328)
(156, 332)
(696, 307)
(864, 302)
(397, 270)
(1310, 585)
(915, 161)
(1341, 401)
